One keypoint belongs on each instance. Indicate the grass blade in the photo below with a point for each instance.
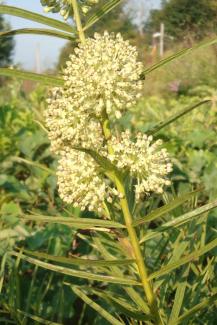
(204, 304)
(175, 117)
(79, 261)
(38, 31)
(44, 79)
(81, 223)
(77, 273)
(22, 13)
(189, 258)
(106, 8)
(166, 208)
(179, 221)
(111, 319)
(178, 55)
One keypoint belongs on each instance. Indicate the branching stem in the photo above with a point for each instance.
(142, 270)
(124, 204)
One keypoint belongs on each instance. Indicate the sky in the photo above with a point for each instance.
(48, 48)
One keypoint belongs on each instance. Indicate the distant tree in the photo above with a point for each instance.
(118, 20)
(6, 45)
(185, 18)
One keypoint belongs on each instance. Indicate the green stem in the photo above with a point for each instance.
(142, 270)
(78, 21)
(137, 252)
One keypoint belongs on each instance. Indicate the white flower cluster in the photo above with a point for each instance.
(69, 126)
(104, 74)
(145, 161)
(80, 181)
(64, 7)
(101, 77)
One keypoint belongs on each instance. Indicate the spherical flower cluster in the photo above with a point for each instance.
(68, 126)
(104, 74)
(64, 7)
(146, 161)
(80, 181)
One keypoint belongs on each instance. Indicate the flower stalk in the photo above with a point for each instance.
(78, 21)
(142, 270)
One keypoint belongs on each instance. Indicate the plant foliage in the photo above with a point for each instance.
(60, 264)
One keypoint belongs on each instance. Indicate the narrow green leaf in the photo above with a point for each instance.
(33, 163)
(179, 296)
(102, 161)
(44, 79)
(79, 261)
(22, 13)
(175, 117)
(189, 258)
(166, 208)
(204, 304)
(178, 55)
(38, 31)
(2, 270)
(121, 304)
(106, 8)
(111, 319)
(130, 291)
(77, 273)
(81, 223)
(179, 221)
(38, 319)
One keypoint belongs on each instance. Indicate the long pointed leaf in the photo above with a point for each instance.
(38, 31)
(204, 304)
(179, 221)
(38, 319)
(175, 117)
(166, 208)
(79, 261)
(74, 222)
(189, 258)
(131, 292)
(179, 297)
(111, 319)
(178, 55)
(106, 8)
(24, 75)
(22, 13)
(77, 273)
(122, 305)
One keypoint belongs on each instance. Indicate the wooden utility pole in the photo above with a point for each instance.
(162, 33)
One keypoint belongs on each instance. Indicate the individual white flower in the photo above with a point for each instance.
(146, 161)
(104, 74)
(69, 127)
(80, 182)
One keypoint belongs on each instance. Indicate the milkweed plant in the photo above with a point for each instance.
(151, 262)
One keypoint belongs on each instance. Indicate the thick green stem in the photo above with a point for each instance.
(138, 254)
(134, 239)
(78, 21)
